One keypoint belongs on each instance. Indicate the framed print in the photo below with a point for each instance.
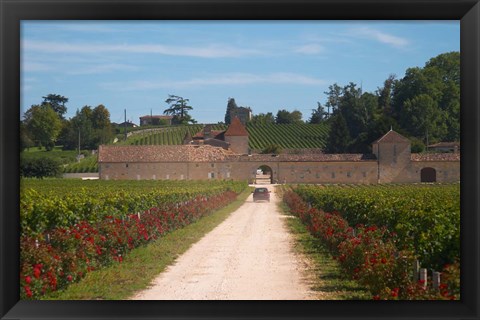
(95, 64)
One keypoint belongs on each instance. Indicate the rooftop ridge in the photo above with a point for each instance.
(236, 128)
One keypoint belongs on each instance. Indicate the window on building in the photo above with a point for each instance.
(364, 174)
(333, 175)
(211, 175)
(126, 165)
(349, 174)
(213, 165)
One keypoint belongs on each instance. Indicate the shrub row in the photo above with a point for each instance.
(49, 204)
(370, 255)
(425, 217)
(65, 255)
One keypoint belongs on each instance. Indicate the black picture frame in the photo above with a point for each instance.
(13, 11)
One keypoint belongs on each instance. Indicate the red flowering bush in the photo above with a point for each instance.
(370, 255)
(65, 255)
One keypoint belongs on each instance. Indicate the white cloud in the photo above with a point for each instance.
(373, 34)
(103, 68)
(312, 48)
(30, 66)
(221, 80)
(207, 51)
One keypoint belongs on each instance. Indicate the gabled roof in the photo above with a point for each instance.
(236, 128)
(392, 137)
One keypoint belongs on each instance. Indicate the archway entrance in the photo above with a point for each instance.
(428, 175)
(264, 175)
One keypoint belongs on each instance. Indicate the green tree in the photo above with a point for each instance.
(25, 140)
(333, 98)
(385, 95)
(287, 117)
(272, 149)
(425, 119)
(43, 124)
(263, 118)
(100, 118)
(338, 137)
(318, 115)
(40, 168)
(178, 108)
(57, 102)
(440, 81)
(231, 105)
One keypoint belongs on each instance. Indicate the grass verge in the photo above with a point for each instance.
(141, 265)
(327, 278)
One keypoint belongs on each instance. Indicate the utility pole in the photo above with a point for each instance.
(79, 144)
(125, 124)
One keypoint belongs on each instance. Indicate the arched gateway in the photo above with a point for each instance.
(264, 175)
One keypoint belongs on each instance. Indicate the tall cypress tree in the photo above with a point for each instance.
(231, 105)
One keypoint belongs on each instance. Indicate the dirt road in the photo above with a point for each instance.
(249, 256)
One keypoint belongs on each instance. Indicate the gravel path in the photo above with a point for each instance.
(249, 256)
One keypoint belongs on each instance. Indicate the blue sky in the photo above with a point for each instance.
(266, 65)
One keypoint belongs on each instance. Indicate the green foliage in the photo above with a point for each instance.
(88, 164)
(54, 203)
(39, 168)
(318, 115)
(263, 119)
(272, 149)
(57, 102)
(426, 101)
(231, 105)
(339, 137)
(287, 117)
(178, 108)
(43, 125)
(417, 145)
(90, 127)
(426, 218)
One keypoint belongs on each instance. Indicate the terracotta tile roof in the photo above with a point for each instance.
(445, 145)
(236, 128)
(435, 157)
(306, 157)
(178, 153)
(216, 134)
(392, 137)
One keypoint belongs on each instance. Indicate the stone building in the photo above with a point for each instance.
(155, 120)
(244, 114)
(390, 162)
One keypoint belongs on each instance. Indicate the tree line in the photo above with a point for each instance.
(424, 106)
(44, 125)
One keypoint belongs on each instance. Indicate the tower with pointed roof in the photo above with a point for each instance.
(393, 155)
(237, 136)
